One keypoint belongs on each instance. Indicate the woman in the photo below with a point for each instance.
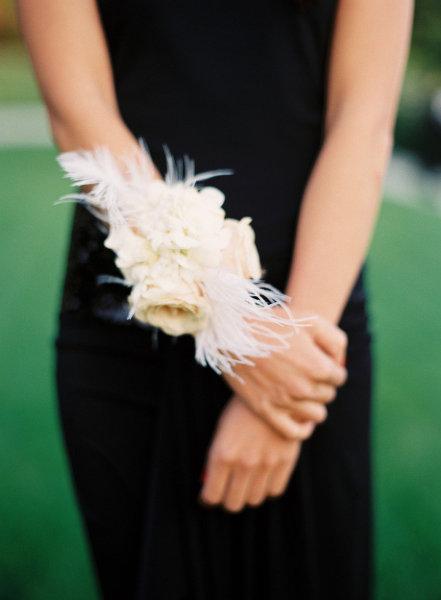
(192, 485)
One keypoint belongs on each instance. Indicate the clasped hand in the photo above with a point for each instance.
(290, 388)
(274, 407)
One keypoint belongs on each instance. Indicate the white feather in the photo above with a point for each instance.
(241, 310)
(96, 167)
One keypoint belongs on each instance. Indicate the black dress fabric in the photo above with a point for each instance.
(239, 85)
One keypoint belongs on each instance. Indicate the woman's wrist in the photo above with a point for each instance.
(107, 130)
(102, 126)
(307, 307)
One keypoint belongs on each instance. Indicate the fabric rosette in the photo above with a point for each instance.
(191, 269)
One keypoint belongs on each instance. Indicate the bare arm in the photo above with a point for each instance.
(368, 56)
(341, 201)
(67, 46)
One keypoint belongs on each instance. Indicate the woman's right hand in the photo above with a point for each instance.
(289, 389)
(247, 461)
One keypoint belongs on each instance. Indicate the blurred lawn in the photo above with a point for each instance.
(405, 287)
(42, 555)
(42, 552)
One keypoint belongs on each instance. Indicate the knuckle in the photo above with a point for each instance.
(285, 459)
(248, 462)
(279, 390)
(263, 408)
(310, 393)
(270, 461)
(294, 387)
(284, 398)
(224, 457)
(305, 390)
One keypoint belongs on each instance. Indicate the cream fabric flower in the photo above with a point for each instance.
(241, 255)
(184, 218)
(134, 255)
(176, 310)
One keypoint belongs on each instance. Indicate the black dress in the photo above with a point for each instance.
(235, 84)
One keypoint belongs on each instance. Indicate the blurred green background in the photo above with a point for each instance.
(43, 554)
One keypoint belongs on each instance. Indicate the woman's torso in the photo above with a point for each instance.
(234, 84)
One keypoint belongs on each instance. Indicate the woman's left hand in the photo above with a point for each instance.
(247, 461)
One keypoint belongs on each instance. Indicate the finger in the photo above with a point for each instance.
(332, 339)
(236, 490)
(279, 419)
(323, 392)
(284, 424)
(305, 430)
(322, 368)
(258, 489)
(285, 400)
(216, 478)
(306, 410)
(282, 474)
(310, 394)
(316, 392)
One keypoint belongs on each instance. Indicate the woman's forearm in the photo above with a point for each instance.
(368, 56)
(99, 125)
(337, 217)
(68, 50)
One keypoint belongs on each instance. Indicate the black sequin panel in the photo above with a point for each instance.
(87, 259)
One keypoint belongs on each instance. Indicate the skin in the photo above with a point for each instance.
(289, 389)
(368, 57)
(258, 438)
(247, 461)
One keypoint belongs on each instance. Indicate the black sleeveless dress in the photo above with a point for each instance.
(240, 85)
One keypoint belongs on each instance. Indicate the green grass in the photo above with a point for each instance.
(405, 281)
(43, 555)
(42, 551)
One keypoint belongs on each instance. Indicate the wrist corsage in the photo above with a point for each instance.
(190, 269)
